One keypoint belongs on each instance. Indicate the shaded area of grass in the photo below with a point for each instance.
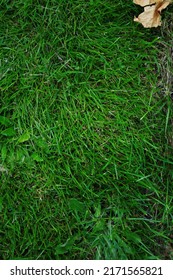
(86, 164)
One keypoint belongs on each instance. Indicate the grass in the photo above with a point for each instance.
(86, 154)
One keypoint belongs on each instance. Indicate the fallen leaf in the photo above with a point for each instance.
(9, 132)
(37, 157)
(144, 3)
(151, 17)
(24, 137)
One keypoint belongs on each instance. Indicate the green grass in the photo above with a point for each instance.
(86, 154)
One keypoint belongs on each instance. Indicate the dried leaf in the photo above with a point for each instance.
(144, 3)
(151, 17)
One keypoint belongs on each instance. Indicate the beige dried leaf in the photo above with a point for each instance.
(144, 3)
(151, 17)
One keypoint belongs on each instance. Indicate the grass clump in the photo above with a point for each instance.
(86, 164)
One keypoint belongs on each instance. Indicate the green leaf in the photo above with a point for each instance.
(99, 226)
(9, 132)
(5, 121)
(24, 137)
(4, 152)
(37, 157)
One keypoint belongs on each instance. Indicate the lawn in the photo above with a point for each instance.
(86, 131)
